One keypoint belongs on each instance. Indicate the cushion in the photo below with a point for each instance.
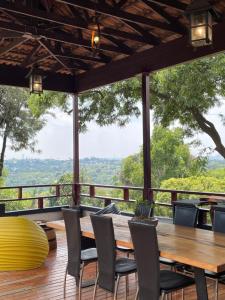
(110, 209)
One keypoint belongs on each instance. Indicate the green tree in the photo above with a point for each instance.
(192, 183)
(184, 93)
(187, 92)
(170, 155)
(17, 123)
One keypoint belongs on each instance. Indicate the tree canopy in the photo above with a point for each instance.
(17, 123)
(183, 93)
(170, 155)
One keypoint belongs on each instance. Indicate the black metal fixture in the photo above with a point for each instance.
(200, 16)
(95, 34)
(36, 78)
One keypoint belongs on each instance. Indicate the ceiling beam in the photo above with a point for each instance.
(47, 47)
(62, 58)
(59, 37)
(30, 56)
(38, 60)
(17, 76)
(174, 22)
(121, 15)
(154, 59)
(120, 4)
(71, 22)
(121, 45)
(12, 45)
(171, 3)
(148, 37)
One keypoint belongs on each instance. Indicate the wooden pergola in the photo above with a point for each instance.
(137, 37)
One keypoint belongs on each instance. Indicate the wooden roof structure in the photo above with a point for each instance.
(136, 36)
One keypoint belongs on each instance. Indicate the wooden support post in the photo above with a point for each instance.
(76, 166)
(146, 136)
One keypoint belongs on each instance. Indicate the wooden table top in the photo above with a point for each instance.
(196, 247)
(213, 199)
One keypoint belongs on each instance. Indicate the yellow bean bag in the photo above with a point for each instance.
(23, 244)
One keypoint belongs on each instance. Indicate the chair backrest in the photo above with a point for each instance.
(143, 210)
(106, 249)
(219, 219)
(146, 252)
(110, 209)
(185, 215)
(73, 235)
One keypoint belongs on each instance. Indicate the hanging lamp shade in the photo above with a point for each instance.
(200, 17)
(95, 33)
(36, 81)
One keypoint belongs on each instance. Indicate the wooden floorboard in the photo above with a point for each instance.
(46, 283)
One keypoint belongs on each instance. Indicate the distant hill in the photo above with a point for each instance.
(216, 162)
(47, 171)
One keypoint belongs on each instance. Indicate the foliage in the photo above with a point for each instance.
(193, 183)
(187, 92)
(47, 171)
(112, 104)
(218, 173)
(44, 103)
(17, 123)
(170, 157)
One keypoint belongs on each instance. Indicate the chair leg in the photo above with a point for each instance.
(136, 296)
(182, 294)
(64, 286)
(95, 289)
(126, 286)
(116, 287)
(217, 289)
(80, 281)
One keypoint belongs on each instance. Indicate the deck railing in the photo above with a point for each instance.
(104, 193)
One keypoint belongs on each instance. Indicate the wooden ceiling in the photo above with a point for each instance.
(56, 34)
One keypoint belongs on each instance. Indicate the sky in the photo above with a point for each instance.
(55, 139)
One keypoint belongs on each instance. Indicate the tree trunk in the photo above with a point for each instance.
(209, 128)
(2, 156)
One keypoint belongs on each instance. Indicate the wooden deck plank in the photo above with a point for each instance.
(46, 282)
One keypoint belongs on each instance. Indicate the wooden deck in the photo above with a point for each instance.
(47, 282)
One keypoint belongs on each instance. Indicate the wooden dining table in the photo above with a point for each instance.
(201, 249)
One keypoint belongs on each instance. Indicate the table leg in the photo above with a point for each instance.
(201, 286)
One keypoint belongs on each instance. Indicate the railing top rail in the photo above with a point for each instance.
(189, 192)
(111, 186)
(34, 186)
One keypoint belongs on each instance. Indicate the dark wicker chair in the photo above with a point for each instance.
(218, 226)
(183, 215)
(151, 281)
(77, 258)
(109, 267)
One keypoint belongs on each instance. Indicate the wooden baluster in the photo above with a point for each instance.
(173, 199)
(92, 191)
(126, 194)
(20, 192)
(57, 191)
(40, 203)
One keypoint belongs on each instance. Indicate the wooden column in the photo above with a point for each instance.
(76, 163)
(146, 136)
